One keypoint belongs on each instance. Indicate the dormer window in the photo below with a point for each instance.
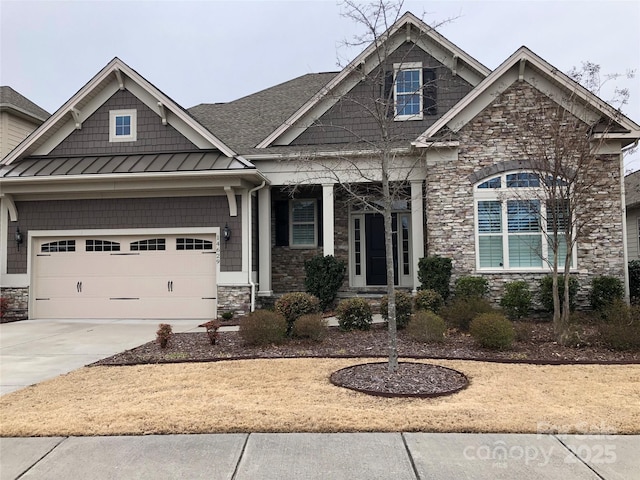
(122, 126)
(414, 91)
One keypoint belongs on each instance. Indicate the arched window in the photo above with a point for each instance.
(514, 223)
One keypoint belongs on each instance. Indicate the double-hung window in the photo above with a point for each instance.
(408, 91)
(303, 223)
(122, 126)
(414, 91)
(516, 228)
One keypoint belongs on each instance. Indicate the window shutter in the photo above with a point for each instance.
(319, 222)
(429, 92)
(388, 97)
(282, 223)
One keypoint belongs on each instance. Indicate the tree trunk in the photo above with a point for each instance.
(391, 294)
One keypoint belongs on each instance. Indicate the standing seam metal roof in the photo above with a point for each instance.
(136, 163)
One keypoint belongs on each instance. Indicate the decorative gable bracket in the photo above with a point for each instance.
(75, 113)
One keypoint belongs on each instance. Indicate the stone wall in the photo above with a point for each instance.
(18, 304)
(492, 139)
(234, 299)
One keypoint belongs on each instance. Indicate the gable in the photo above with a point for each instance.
(525, 67)
(152, 135)
(407, 30)
(349, 119)
(115, 76)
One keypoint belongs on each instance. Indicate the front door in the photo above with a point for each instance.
(376, 266)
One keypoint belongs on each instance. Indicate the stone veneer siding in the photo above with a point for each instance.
(127, 213)
(234, 299)
(18, 304)
(490, 139)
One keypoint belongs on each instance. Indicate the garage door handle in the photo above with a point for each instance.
(170, 286)
(79, 287)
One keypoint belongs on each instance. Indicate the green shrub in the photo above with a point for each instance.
(324, 277)
(492, 330)
(428, 300)
(461, 311)
(354, 313)
(404, 302)
(227, 316)
(516, 300)
(634, 280)
(263, 327)
(621, 328)
(293, 305)
(604, 291)
(468, 286)
(163, 334)
(545, 293)
(312, 327)
(426, 327)
(434, 273)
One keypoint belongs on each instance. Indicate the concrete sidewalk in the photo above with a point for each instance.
(352, 456)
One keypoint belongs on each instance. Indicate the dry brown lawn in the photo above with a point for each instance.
(294, 395)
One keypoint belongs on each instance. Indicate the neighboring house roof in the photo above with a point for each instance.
(243, 123)
(115, 75)
(13, 101)
(632, 189)
(524, 65)
(407, 28)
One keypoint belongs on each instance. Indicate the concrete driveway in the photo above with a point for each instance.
(35, 350)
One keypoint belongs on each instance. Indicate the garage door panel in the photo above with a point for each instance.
(154, 284)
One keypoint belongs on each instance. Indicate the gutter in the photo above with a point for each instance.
(249, 251)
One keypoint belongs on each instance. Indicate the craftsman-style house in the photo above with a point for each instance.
(123, 204)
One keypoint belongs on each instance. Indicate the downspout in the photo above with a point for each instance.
(625, 251)
(249, 252)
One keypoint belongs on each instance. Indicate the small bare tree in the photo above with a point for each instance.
(379, 177)
(562, 143)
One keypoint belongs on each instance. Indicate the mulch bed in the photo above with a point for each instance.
(535, 345)
(410, 380)
(538, 347)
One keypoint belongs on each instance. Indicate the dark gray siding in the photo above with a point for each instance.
(348, 120)
(182, 212)
(152, 136)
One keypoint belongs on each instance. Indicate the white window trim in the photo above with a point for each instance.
(292, 223)
(407, 66)
(502, 195)
(132, 113)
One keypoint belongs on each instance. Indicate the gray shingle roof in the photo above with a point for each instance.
(9, 98)
(245, 122)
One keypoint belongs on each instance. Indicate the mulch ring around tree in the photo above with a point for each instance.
(410, 380)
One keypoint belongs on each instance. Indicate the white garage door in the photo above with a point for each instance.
(155, 277)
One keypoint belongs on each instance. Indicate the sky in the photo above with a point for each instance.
(208, 51)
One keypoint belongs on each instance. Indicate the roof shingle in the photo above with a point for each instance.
(9, 98)
(245, 122)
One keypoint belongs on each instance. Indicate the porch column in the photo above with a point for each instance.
(327, 219)
(417, 228)
(264, 241)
